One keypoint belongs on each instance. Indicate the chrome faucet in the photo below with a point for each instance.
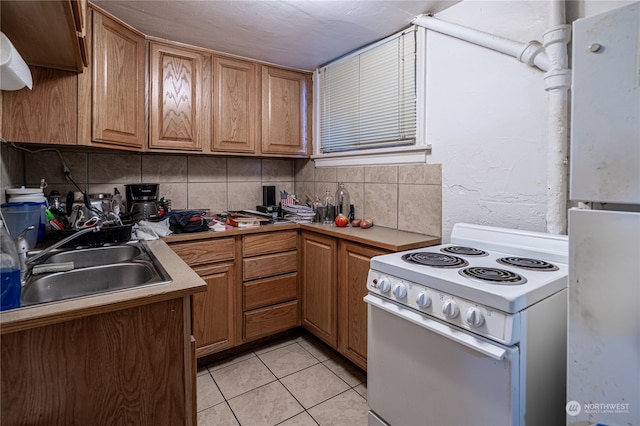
(40, 254)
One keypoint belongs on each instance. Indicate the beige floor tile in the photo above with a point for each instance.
(288, 359)
(346, 409)
(347, 372)
(265, 406)
(302, 419)
(313, 385)
(208, 393)
(242, 377)
(218, 415)
(230, 361)
(202, 370)
(361, 389)
(319, 350)
(275, 344)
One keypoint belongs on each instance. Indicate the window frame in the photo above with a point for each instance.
(405, 154)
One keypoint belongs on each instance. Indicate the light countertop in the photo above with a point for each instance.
(184, 282)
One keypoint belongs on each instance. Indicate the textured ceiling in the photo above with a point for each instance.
(302, 34)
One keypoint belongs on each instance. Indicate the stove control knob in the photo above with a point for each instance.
(384, 285)
(400, 291)
(423, 300)
(474, 317)
(450, 308)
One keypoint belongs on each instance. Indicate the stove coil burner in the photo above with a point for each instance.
(437, 260)
(492, 275)
(464, 251)
(526, 263)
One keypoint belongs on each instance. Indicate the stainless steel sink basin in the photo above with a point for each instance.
(95, 256)
(96, 270)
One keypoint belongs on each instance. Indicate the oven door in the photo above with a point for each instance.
(421, 371)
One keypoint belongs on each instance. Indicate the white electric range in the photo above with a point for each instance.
(471, 332)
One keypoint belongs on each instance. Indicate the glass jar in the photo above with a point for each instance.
(328, 208)
(342, 200)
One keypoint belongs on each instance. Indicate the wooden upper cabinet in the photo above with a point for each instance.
(46, 114)
(176, 98)
(236, 103)
(286, 112)
(47, 33)
(118, 85)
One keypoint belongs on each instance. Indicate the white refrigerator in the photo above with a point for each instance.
(603, 365)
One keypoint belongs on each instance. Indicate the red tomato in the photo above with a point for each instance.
(342, 221)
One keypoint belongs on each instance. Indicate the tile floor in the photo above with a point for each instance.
(295, 381)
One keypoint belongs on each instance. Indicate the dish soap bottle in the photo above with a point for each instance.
(10, 286)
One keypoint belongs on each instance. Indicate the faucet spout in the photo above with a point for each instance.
(31, 260)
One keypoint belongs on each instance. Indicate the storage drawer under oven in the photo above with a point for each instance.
(438, 374)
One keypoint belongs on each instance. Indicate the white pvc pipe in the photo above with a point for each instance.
(557, 83)
(529, 53)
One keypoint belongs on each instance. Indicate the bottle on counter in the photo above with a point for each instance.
(342, 200)
(10, 286)
(328, 208)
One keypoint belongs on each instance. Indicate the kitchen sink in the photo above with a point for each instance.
(97, 270)
(83, 258)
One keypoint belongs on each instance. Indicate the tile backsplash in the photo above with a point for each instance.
(402, 197)
(407, 197)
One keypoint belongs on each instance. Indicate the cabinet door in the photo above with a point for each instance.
(319, 288)
(176, 98)
(352, 310)
(46, 114)
(213, 311)
(286, 119)
(118, 86)
(235, 107)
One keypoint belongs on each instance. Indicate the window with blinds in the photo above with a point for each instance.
(367, 100)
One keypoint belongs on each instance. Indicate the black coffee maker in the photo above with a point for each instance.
(142, 200)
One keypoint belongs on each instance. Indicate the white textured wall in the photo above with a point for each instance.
(487, 115)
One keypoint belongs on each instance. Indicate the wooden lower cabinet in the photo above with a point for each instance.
(269, 320)
(213, 313)
(320, 286)
(130, 366)
(353, 270)
(270, 283)
(334, 284)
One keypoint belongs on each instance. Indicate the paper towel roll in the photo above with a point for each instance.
(14, 72)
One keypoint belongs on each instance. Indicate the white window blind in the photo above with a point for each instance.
(368, 99)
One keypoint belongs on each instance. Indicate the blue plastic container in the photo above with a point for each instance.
(10, 288)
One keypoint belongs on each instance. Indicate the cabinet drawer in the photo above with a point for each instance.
(205, 251)
(269, 265)
(256, 294)
(269, 320)
(269, 242)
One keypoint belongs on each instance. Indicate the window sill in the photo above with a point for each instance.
(413, 155)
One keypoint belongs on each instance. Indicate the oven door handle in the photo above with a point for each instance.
(444, 330)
